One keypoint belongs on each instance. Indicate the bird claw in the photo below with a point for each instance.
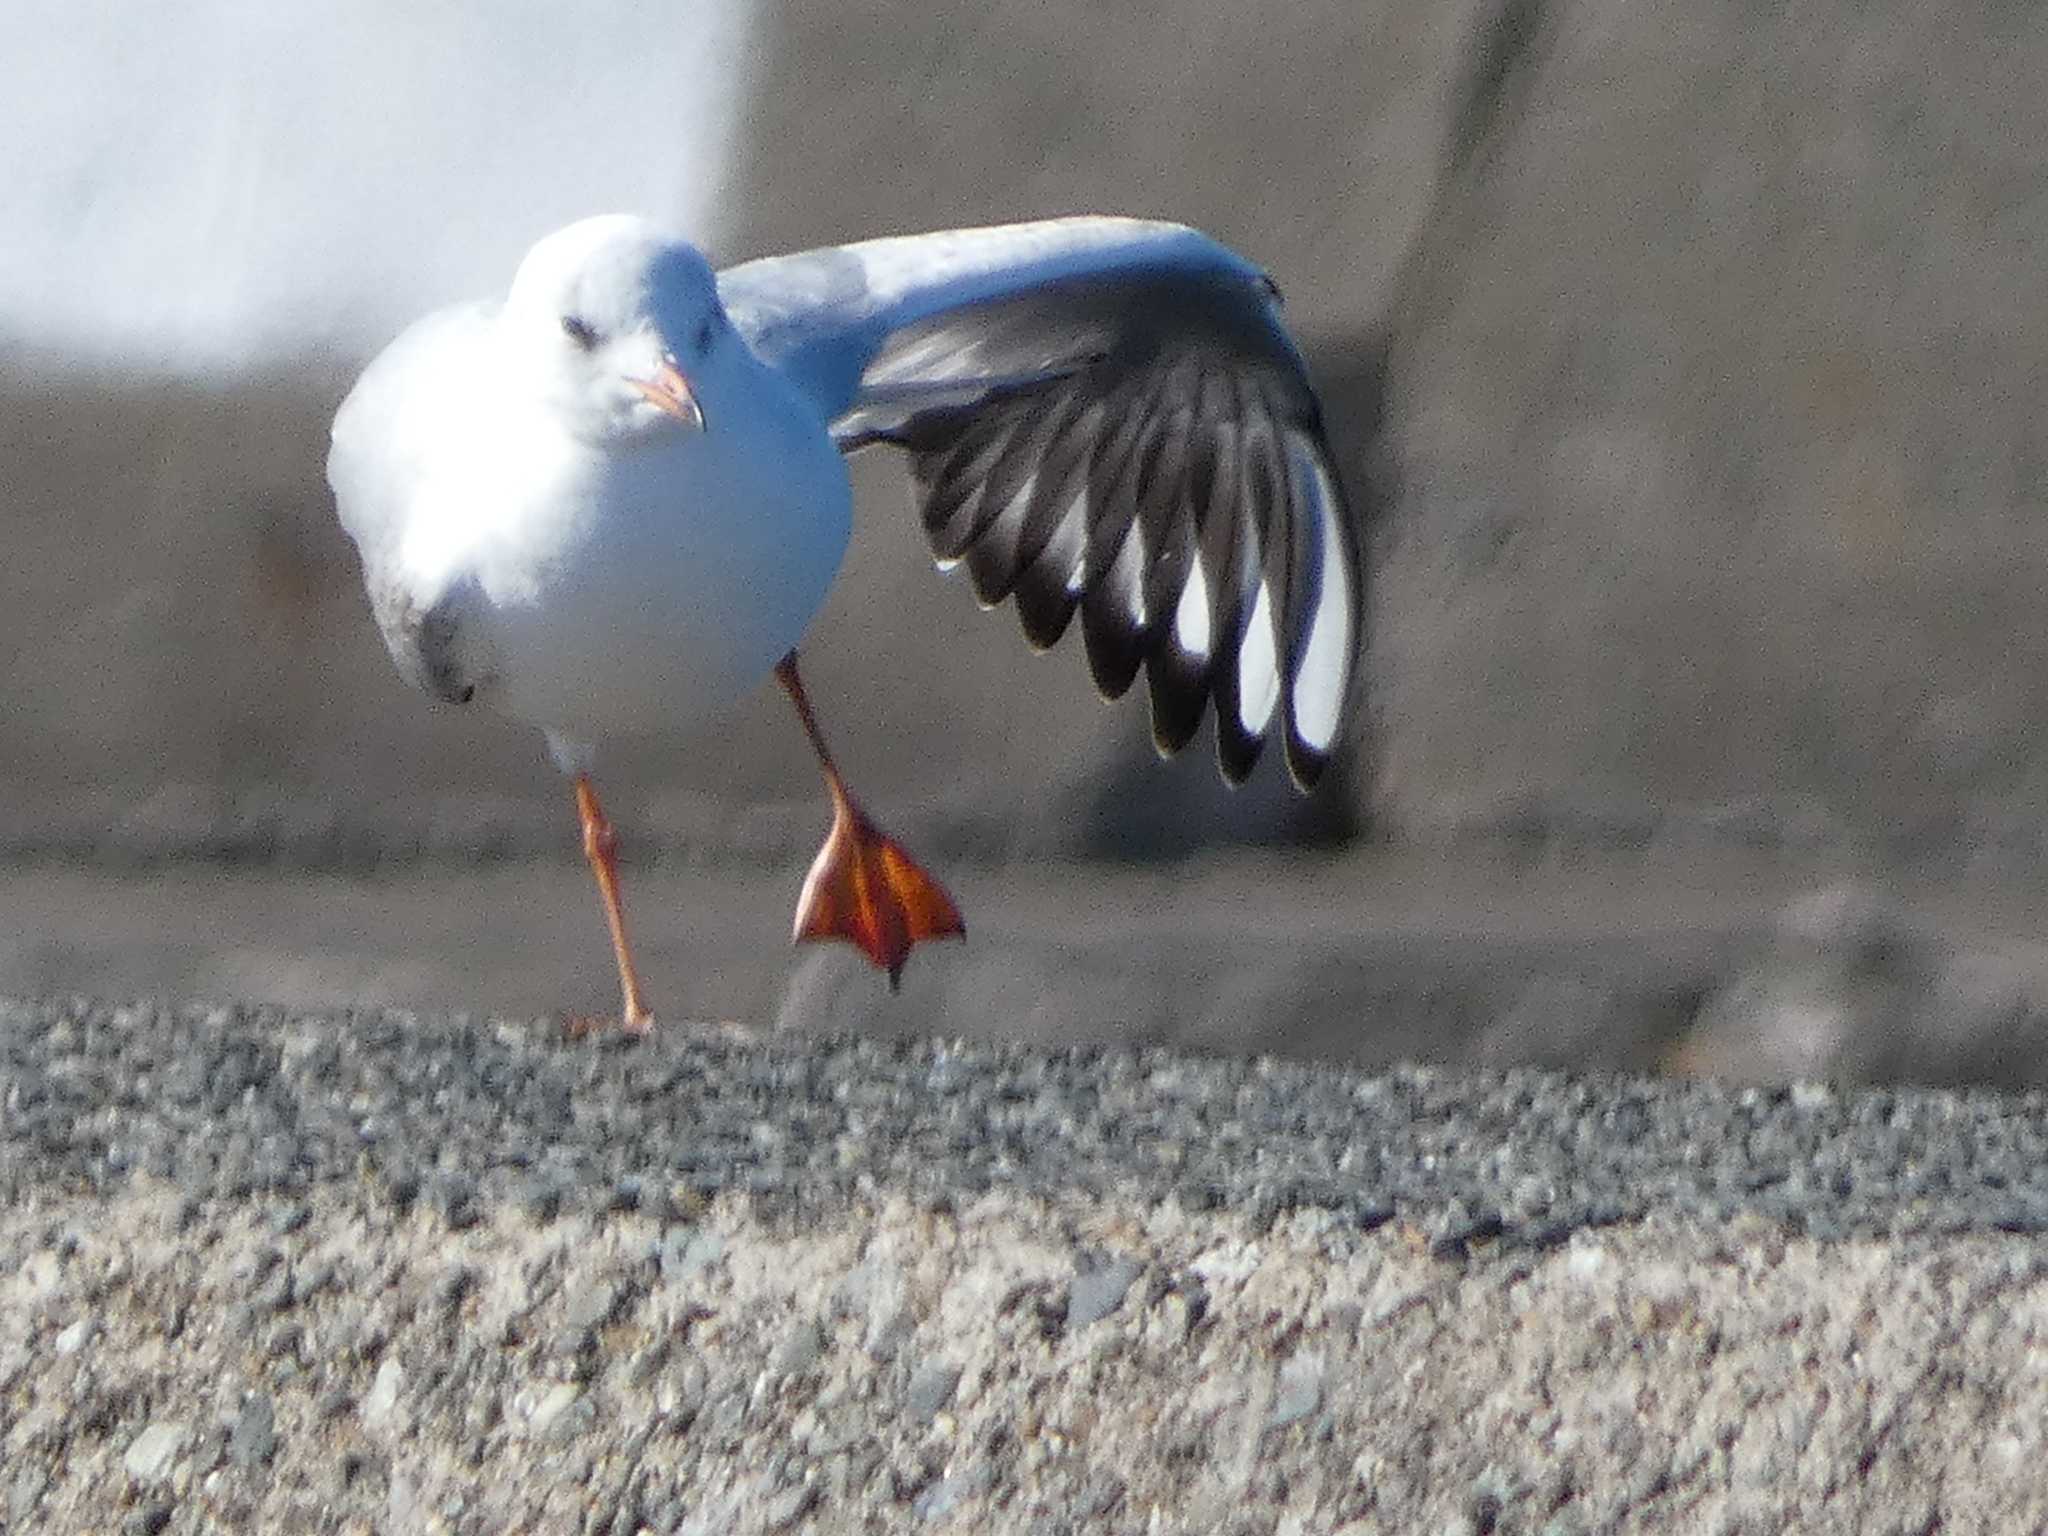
(634, 1026)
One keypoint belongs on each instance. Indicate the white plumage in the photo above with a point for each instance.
(614, 500)
(603, 569)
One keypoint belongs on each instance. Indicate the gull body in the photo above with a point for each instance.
(615, 499)
(589, 565)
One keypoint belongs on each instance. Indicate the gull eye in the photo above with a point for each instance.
(579, 331)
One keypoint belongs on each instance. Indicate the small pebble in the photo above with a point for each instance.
(382, 1401)
(150, 1456)
(1099, 1290)
(254, 1438)
(561, 1412)
(804, 1347)
(789, 1506)
(1299, 1391)
(594, 1305)
(941, 1498)
(931, 1390)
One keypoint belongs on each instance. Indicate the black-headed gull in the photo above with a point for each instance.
(615, 499)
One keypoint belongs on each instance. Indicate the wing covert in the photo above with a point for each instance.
(1104, 418)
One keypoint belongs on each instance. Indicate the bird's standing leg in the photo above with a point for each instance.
(863, 887)
(600, 846)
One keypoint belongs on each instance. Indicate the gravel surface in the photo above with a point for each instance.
(375, 1271)
(462, 1114)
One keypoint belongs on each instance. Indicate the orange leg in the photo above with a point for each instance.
(863, 887)
(600, 846)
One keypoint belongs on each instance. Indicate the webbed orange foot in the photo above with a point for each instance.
(864, 888)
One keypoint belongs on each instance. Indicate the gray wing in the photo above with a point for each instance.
(1103, 417)
(385, 436)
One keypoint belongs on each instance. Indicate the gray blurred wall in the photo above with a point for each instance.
(1687, 360)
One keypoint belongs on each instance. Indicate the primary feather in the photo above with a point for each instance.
(1103, 416)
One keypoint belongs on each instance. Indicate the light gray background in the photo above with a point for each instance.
(1683, 362)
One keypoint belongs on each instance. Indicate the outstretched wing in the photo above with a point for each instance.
(1103, 416)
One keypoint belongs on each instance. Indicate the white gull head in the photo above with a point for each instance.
(616, 326)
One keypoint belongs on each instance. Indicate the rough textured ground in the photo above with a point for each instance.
(339, 1365)
(375, 1271)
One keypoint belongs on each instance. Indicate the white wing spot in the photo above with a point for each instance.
(1191, 618)
(1069, 542)
(1258, 668)
(1012, 516)
(1125, 579)
(1324, 676)
(1003, 533)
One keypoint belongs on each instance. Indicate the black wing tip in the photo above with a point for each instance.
(1115, 651)
(1173, 729)
(1044, 625)
(1126, 423)
(1305, 760)
(1305, 763)
(1237, 751)
(991, 573)
(1180, 697)
(1046, 601)
(1237, 746)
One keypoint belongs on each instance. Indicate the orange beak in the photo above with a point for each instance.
(669, 390)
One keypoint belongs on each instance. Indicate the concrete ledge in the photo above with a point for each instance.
(374, 1271)
(1015, 1365)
